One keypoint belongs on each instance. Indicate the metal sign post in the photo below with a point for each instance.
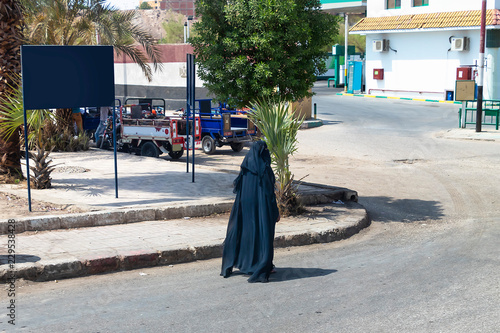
(190, 106)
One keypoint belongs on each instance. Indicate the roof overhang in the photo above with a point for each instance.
(445, 21)
(419, 30)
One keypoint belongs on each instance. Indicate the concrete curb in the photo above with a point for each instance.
(128, 260)
(400, 98)
(311, 123)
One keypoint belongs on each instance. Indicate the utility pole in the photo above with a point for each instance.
(346, 53)
(480, 78)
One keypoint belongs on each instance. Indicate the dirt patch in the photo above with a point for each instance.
(12, 206)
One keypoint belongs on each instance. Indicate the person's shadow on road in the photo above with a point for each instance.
(293, 273)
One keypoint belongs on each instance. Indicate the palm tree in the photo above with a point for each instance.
(89, 22)
(11, 24)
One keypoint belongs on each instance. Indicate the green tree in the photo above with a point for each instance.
(174, 30)
(145, 5)
(248, 48)
(11, 39)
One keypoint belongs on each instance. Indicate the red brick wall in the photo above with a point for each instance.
(169, 53)
(185, 7)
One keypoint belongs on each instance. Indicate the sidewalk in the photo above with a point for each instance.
(159, 218)
(52, 255)
(488, 133)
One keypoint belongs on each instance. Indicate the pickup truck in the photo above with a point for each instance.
(150, 136)
(222, 126)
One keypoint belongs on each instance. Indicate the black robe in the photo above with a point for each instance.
(250, 231)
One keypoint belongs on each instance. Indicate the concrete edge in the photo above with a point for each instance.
(311, 123)
(112, 217)
(323, 194)
(129, 260)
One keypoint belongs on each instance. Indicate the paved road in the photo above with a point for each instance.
(429, 262)
(390, 278)
(394, 155)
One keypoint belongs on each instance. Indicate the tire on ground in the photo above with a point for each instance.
(175, 155)
(237, 146)
(149, 149)
(208, 144)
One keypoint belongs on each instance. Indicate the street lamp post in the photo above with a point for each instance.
(189, 18)
(480, 78)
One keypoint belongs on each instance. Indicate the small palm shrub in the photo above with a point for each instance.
(42, 169)
(279, 130)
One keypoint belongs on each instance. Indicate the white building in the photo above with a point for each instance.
(416, 46)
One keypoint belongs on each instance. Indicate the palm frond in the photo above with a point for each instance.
(79, 22)
(12, 114)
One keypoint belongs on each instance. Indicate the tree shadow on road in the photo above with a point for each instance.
(387, 209)
(293, 273)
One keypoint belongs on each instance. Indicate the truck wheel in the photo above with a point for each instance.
(237, 146)
(208, 144)
(175, 155)
(149, 149)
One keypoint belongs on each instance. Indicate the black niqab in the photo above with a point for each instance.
(250, 231)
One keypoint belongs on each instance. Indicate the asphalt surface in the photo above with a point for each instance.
(159, 196)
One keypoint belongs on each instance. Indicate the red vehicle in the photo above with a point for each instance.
(150, 136)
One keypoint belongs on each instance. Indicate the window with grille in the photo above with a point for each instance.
(393, 4)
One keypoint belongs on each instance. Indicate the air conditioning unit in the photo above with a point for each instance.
(380, 45)
(459, 43)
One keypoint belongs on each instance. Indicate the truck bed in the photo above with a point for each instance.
(151, 129)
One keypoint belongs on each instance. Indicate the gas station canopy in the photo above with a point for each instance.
(343, 6)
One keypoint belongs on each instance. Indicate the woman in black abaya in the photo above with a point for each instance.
(250, 231)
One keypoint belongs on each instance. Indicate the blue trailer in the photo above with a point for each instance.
(222, 125)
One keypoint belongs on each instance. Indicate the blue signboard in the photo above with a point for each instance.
(67, 76)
